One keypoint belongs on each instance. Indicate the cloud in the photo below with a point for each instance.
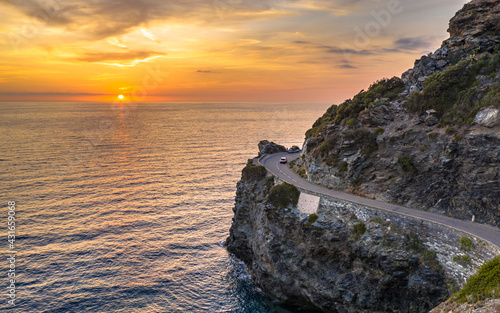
(347, 65)
(148, 34)
(336, 7)
(333, 49)
(50, 94)
(95, 57)
(206, 72)
(417, 43)
(101, 19)
(116, 42)
(337, 50)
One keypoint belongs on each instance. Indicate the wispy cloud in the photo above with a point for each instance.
(417, 43)
(116, 42)
(148, 34)
(107, 18)
(333, 49)
(347, 65)
(125, 56)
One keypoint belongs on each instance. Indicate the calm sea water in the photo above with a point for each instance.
(123, 208)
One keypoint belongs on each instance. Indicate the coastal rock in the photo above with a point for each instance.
(488, 117)
(332, 264)
(473, 30)
(435, 148)
(266, 147)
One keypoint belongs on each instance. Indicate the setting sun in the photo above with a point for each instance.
(121, 97)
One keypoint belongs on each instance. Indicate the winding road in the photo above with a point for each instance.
(284, 172)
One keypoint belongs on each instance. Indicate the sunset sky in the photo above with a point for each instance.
(211, 50)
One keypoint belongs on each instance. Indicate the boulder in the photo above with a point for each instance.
(267, 147)
(488, 117)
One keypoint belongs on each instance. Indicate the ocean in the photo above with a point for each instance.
(123, 207)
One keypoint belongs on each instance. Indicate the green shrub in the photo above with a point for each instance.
(453, 93)
(385, 88)
(485, 284)
(322, 122)
(422, 148)
(366, 139)
(378, 220)
(356, 182)
(406, 163)
(492, 98)
(343, 167)
(379, 131)
(283, 195)
(433, 135)
(252, 172)
(326, 146)
(414, 243)
(466, 244)
(359, 230)
(332, 161)
(462, 259)
(269, 182)
(429, 255)
(392, 139)
(302, 173)
(449, 131)
(350, 122)
(312, 219)
(458, 138)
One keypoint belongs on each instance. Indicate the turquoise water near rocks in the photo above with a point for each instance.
(123, 207)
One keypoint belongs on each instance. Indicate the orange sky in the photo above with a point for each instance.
(211, 50)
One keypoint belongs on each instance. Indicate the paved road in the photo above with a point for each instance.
(283, 171)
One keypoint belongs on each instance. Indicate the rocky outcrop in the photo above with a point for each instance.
(430, 140)
(332, 262)
(488, 117)
(473, 30)
(266, 147)
(416, 163)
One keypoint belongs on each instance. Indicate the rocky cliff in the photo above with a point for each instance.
(429, 139)
(330, 262)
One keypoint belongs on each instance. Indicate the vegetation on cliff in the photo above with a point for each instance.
(387, 89)
(253, 172)
(485, 284)
(284, 195)
(331, 261)
(429, 139)
(459, 92)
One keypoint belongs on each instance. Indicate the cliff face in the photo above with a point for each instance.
(428, 140)
(333, 262)
(473, 30)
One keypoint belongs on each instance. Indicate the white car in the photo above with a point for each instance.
(283, 160)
